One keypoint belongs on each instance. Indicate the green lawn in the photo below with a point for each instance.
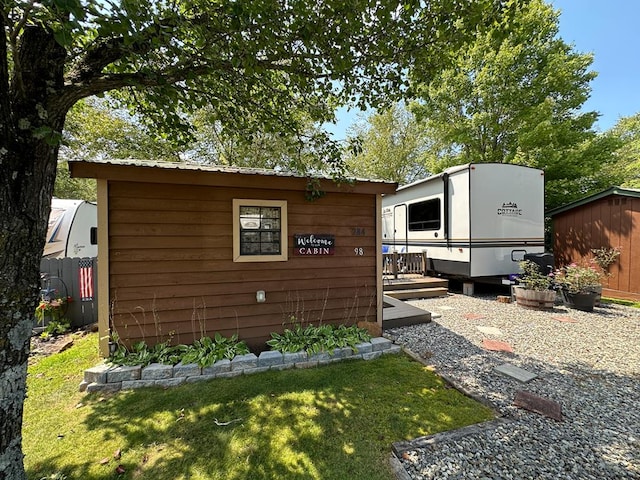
(333, 422)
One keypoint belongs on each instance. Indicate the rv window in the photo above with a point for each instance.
(425, 215)
(93, 236)
(259, 230)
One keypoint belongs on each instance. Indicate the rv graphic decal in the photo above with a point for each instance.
(510, 209)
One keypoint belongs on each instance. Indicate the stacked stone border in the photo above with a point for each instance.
(109, 378)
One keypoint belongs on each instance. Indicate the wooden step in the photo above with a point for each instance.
(399, 314)
(417, 293)
(407, 284)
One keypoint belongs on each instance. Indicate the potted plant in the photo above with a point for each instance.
(604, 257)
(50, 314)
(579, 286)
(534, 289)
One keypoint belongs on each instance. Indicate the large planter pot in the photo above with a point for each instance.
(584, 301)
(535, 299)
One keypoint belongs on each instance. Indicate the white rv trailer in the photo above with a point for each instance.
(72, 230)
(474, 220)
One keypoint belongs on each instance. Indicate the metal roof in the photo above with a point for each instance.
(191, 166)
(625, 192)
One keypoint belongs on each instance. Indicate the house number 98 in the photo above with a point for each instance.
(359, 251)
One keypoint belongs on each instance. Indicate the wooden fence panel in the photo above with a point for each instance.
(61, 278)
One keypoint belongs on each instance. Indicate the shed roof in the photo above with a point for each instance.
(625, 192)
(217, 175)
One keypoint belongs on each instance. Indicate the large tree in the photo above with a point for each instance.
(389, 145)
(627, 156)
(94, 129)
(514, 96)
(250, 61)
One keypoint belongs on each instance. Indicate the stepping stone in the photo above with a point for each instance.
(565, 319)
(490, 331)
(518, 373)
(537, 404)
(472, 316)
(496, 346)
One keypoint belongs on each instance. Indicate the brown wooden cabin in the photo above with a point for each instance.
(607, 219)
(193, 250)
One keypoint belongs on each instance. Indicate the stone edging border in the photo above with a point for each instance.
(107, 378)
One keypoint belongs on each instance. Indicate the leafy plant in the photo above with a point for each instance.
(314, 339)
(207, 350)
(204, 352)
(604, 257)
(576, 278)
(532, 278)
(55, 328)
(53, 309)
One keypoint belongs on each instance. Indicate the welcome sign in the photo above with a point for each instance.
(314, 244)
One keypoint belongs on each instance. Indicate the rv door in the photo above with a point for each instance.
(400, 223)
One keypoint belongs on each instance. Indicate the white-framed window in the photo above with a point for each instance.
(259, 230)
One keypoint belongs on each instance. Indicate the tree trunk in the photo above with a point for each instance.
(27, 174)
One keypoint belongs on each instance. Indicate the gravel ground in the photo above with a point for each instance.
(591, 367)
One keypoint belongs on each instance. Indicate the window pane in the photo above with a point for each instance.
(270, 224)
(252, 211)
(271, 212)
(250, 249)
(425, 215)
(260, 230)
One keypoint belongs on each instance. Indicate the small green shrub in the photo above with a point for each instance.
(207, 350)
(204, 352)
(314, 339)
(55, 328)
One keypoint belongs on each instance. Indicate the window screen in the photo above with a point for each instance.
(425, 215)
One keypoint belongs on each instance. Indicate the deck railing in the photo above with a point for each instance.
(397, 263)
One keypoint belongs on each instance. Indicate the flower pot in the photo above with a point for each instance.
(584, 301)
(535, 299)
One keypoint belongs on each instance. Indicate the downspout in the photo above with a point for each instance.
(445, 190)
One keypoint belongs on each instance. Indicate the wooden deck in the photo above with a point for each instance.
(397, 313)
(411, 286)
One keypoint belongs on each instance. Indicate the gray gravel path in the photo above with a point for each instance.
(591, 366)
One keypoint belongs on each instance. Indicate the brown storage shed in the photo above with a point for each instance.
(192, 250)
(607, 219)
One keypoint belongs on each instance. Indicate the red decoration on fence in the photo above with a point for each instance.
(85, 268)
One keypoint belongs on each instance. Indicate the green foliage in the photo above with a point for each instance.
(55, 328)
(256, 78)
(391, 145)
(532, 278)
(314, 339)
(576, 278)
(53, 311)
(95, 130)
(74, 188)
(205, 352)
(515, 96)
(627, 155)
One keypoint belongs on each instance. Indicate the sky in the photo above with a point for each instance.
(609, 30)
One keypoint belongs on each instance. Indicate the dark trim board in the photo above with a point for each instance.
(449, 267)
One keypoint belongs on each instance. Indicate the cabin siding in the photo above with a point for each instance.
(172, 271)
(613, 221)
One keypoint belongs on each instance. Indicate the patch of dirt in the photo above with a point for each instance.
(43, 348)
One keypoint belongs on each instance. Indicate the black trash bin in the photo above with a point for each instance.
(544, 261)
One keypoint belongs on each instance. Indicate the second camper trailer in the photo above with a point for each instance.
(473, 221)
(72, 230)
